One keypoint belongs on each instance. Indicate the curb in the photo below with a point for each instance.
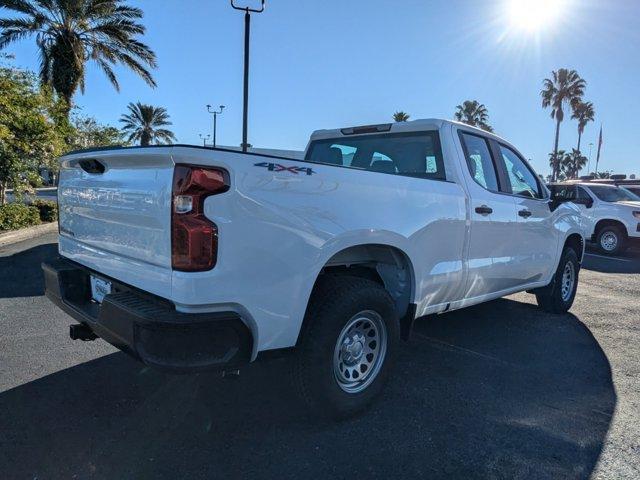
(16, 236)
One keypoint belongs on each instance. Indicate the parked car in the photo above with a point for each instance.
(194, 258)
(611, 213)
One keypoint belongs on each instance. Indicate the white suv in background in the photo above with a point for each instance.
(611, 214)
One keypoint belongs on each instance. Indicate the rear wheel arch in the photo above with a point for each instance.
(384, 264)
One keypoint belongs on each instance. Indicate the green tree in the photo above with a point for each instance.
(565, 87)
(30, 137)
(473, 113)
(143, 123)
(584, 113)
(70, 33)
(400, 116)
(88, 133)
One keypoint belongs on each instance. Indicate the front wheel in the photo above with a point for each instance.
(348, 346)
(558, 296)
(611, 240)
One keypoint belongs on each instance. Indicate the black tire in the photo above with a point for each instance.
(550, 298)
(609, 232)
(336, 301)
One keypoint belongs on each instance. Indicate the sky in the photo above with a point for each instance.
(335, 63)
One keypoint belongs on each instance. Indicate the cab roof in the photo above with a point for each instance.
(396, 127)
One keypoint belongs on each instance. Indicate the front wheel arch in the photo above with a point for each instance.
(609, 223)
(576, 242)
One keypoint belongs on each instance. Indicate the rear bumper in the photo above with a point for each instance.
(148, 327)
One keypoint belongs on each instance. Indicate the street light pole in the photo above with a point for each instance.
(247, 30)
(589, 162)
(215, 121)
(204, 139)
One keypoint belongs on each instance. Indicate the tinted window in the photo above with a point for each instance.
(581, 193)
(479, 161)
(416, 154)
(563, 193)
(635, 190)
(613, 194)
(523, 180)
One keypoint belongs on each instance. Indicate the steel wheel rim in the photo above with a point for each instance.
(360, 351)
(609, 241)
(568, 281)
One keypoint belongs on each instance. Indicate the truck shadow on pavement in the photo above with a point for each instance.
(498, 390)
(20, 273)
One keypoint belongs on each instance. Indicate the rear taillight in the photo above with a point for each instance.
(194, 238)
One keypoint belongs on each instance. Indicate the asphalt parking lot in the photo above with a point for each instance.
(501, 390)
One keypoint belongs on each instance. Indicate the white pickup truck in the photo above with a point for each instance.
(196, 258)
(610, 214)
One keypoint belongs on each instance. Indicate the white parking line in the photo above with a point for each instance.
(610, 258)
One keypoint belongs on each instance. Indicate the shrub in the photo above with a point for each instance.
(48, 210)
(17, 215)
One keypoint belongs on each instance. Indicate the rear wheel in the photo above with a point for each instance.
(611, 240)
(348, 348)
(558, 296)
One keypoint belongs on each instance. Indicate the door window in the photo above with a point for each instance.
(479, 160)
(523, 180)
(563, 193)
(582, 194)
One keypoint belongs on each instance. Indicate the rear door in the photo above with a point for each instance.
(535, 240)
(493, 221)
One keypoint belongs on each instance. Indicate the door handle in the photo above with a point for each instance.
(524, 213)
(484, 210)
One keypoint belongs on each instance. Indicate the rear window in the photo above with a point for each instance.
(410, 154)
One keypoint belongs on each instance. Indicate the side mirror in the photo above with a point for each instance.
(587, 202)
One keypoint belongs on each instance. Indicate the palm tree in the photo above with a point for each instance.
(556, 161)
(400, 116)
(142, 122)
(70, 33)
(565, 87)
(473, 113)
(584, 113)
(572, 163)
(605, 174)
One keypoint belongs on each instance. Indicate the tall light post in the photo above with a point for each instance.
(247, 29)
(589, 162)
(215, 120)
(204, 139)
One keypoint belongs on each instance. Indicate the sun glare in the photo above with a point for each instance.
(535, 15)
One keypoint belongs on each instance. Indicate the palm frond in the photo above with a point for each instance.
(104, 31)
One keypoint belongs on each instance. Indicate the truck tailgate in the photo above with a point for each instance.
(115, 211)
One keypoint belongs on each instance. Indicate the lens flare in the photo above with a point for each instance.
(535, 15)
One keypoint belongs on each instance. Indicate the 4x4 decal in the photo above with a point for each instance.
(276, 167)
